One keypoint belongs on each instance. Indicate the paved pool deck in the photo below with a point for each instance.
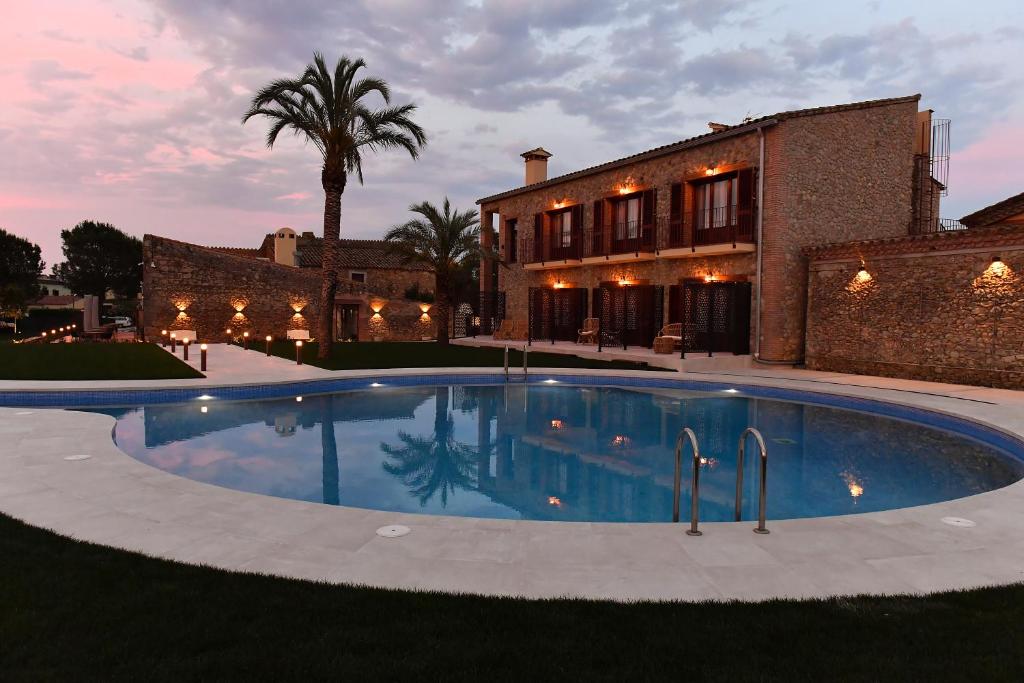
(112, 499)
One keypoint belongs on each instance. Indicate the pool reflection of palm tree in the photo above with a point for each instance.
(434, 463)
(331, 492)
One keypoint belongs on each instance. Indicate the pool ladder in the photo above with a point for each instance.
(526, 369)
(687, 434)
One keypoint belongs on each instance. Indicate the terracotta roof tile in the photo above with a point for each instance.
(995, 213)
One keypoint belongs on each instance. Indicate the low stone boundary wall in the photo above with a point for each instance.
(945, 307)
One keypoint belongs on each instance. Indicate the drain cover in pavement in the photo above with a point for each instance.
(958, 521)
(80, 456)
(393, 531)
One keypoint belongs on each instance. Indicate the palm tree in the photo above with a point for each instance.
(428, 464)
(443, 240)
(330, 112)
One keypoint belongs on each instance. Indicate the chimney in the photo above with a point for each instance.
(536, 165)
(716, 127)
(284, 246)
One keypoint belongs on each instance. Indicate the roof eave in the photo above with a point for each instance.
(672, 148)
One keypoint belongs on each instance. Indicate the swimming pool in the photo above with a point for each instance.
(567, 448)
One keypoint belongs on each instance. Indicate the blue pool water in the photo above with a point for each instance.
(557, 452)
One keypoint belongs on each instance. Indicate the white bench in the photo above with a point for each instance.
(299, 334)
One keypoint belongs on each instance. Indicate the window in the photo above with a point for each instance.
(627, 218)
(563, 228)
(715, 203)
(511, 240)
(357, 276)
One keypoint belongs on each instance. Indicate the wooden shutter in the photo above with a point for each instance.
(675, 216)
(596, 242)
(647, 213)
(538, 238)
(675, 312)
(577, 231)
(745, 199)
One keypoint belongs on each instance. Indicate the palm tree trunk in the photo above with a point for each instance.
(442, 303)
(329, 282)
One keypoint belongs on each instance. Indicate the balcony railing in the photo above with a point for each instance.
(720, 225)
(725, 225)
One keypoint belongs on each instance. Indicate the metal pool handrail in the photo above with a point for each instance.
(695, 486)
(762, 494)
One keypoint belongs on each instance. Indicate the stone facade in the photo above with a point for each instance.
(391, 282)
(658, 174)
(829, 178)
(186, 286)
(829, 175)
(933, 307)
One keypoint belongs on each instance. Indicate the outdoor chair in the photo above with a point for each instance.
(669, 338)
(588, 334)
(505, 329)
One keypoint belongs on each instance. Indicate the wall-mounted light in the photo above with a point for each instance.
(561, 203)
(557, 424)
(627, 186)
(554, 501)
(623, 282)
(709, 278)
(711, 170)
(558, 284)
(862, 273)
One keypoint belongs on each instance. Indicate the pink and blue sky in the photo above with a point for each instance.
(128, 111)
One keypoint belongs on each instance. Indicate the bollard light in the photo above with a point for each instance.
(202, 357)
(174, 342)
(184, 348)
(44, 334)
(269, 339)
(163, 338)
(245, 340)
(298, 352)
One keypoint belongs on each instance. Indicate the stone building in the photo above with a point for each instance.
(269, 291)
(712, 230)
(365, 261)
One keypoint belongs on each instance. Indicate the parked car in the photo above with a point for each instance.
(122, 321)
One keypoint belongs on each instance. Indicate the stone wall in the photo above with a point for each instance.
(829, 178)
(933, 307)
(392, 282)
(186, 286)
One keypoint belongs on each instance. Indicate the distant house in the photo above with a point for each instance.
(54, 294)
(365, 261)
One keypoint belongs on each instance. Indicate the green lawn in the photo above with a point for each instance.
(75, 611)
(89, 360)
(372, 355)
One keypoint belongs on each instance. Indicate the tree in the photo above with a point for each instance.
(99, 257)
(21, 265)
(444, 240)
(330, 112)
(439, 462)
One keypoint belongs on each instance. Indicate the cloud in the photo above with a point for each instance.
(132, 111)
(42, 71)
